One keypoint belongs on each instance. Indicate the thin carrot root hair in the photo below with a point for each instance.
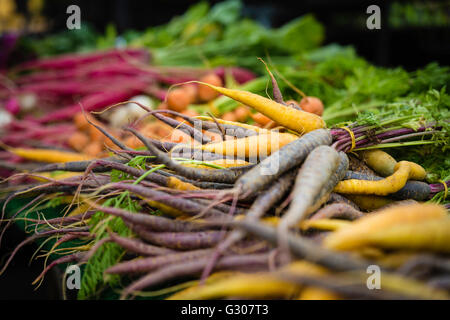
(120, 104)
(177, 85)
(220, 197)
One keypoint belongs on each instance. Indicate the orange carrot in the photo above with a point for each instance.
(206, 93)
(261, 119)
(192, 92)
(229, 116)
(312, 105)
(242, 113)
(94, 149)
(78, 141)
(178, 99)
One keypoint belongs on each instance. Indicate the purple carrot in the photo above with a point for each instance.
(438, 187)
(151, 222)
(260, 206)
(218, 175)
(189, 207)
(230, 130)
(180, 240)
(337, 211)
(304, 248)
(335, 197)
(238, 262)
(194, 133)
(139, 247)
(72, 236)
(148, 264)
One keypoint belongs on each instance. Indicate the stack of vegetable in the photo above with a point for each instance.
(167, 215)
(295, 196)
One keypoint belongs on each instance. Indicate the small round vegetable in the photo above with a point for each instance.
(95, 134)
(163, 106)
(178, 99)
(229, 116)
(78, 141)
(133, 142)
(192, 91)
(205, 93)
(190, 113)
(312, 105)
(80, 121)
(241, 113)
(93, 149)
(294, 102)
(261, 119)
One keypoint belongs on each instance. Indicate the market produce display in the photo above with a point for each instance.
(214, 158)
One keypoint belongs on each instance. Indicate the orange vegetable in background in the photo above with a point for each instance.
(190, 113)
(205, 93)
(78, 141)
(95, 134)
(94, 149)
(312, 105)
(241, 113)
(289, 102)
(229, 116)
(162, 106)
(178, 99)
(80, 121)
(261, 119)
(133, 142)
(192, 92)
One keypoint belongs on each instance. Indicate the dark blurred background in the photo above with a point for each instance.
(413, 32)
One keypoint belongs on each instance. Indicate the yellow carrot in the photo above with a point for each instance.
(320, 224)
(379, 161)
(314, 293)
(403, 171)
(177, 184)
(429, 235)
(82, 208)
(416, 226)
(396, 259)
(259, 285)
(324, 224)
(250, 147)
(55, 176)
(369, 202)
(165, 208)
(47, 155)
(296, 120)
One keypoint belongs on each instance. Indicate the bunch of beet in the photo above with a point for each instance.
(42, 99)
